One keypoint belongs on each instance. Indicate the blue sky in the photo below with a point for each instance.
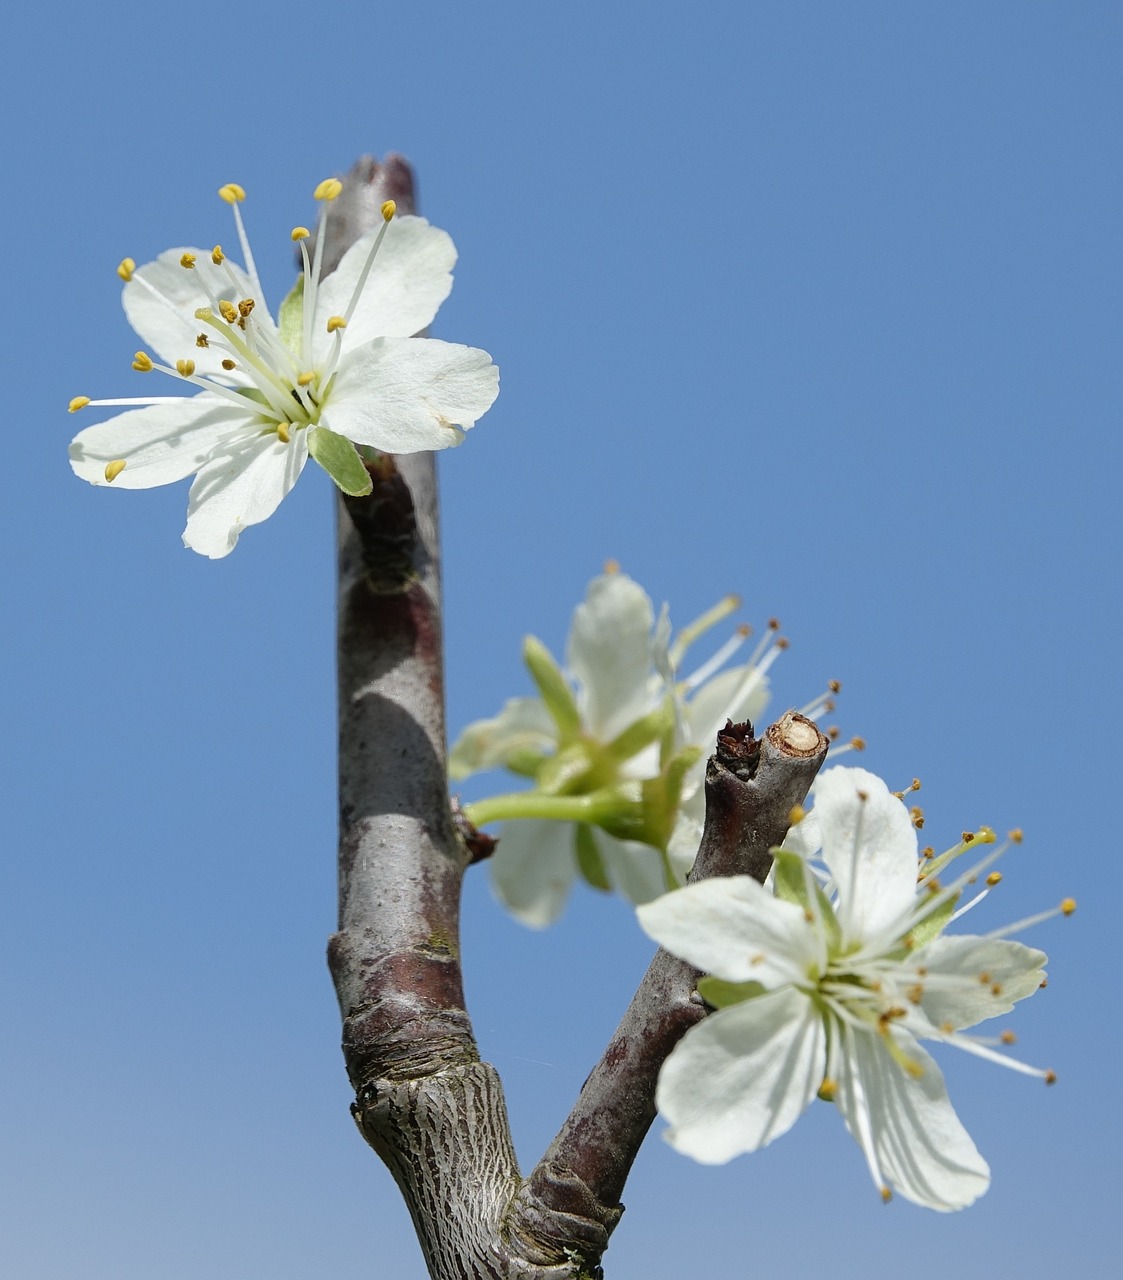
(816, 303)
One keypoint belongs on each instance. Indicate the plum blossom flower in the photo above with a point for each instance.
(338, 368)
(826, 986)
(616, 745)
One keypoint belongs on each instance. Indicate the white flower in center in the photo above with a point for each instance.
(618, 717)
(338, 368)
(828, 992)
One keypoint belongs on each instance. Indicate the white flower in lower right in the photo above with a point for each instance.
(827, 992)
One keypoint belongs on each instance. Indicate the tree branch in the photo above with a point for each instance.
(751, 788)
(423, 1100)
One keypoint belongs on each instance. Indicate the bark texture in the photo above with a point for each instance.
(424, 1101)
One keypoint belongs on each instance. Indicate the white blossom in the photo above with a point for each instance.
(618, 713)
(826, 985)
(339, 367)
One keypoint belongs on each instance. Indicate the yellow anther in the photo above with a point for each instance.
(1068, 906)
(1008, 1037)
(1050, 1077)
(773, 624)
(835, 686)
(744, 631)
(928, 851)
(828, 1089)
(809, 915)
(916, 813)
(202, 340)
(994, 878)
(232, 193)
(389, 208)
(834, 733)
(886, 1194)
(217, 256)
(142, 362)
(796, 814)
(185, 368)
(986, 835)
(859, 744)
(996, 989)
(782, 642)
(915, 994)
(187, 261)
(946, 1028)
(227, 310)
(1043, 983)
(300, 233)
(283, 432)
(759, 958)
(863, 796)
(79, 402)
(612, 566)
(1016, 836)
(933, 885)
(336, 322)
(245, 307)
(125, 269)
(306, 379)
(984, 978)
(204, 313)
(113, 469)
(328, 189)
(228, 365)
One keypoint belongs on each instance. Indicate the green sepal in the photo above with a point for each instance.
(933, 924)
(290, 318)
(788, 878)
(589, 860)
(720, 994)
(336, 454)
(552, 685)
(641, 733)
(790, 883)
(525, 761)
(567, 772)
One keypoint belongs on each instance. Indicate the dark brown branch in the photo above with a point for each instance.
(751, 789)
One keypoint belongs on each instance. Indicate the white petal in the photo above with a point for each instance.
(734, 928)
(411, 277)
(718, 700)
(742, 1077)
(610, 654)
(159, 444)
(635, 870)
(869, 845)
(241, 484)
(171, 331)
(682, 848)
(533, 868)
(524, 724)
(805, 838)
(1012, 967)
(404, 395)
(911, 1136)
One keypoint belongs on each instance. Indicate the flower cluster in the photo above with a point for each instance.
(824, 985)
(616, 748)
(338, 368)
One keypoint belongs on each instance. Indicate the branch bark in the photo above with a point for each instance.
(424, 1101)
(751, 788)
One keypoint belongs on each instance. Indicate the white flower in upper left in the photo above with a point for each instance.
(338, 368)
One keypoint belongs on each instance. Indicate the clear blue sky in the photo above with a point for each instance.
(818, 303)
